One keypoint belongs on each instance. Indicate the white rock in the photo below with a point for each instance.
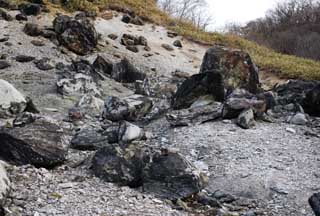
(11, 100)
(132, 132)
(291, 130)
(299, 119)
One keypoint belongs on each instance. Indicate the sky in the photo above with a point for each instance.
(239, 11)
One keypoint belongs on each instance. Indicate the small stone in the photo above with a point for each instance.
(24, 58)
(4, 64)
(299, 119)
(167, 47)
(177, 43)
(38, 43)
(291, 130)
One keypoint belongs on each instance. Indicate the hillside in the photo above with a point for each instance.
(283, 65)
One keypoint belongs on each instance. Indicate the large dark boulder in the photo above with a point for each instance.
(199, 85)
(79, 36)
(311, 103)
(169, 175)
(125, 72)
(40, 143)
(314, 202)
(235, 66)
(119, 165)
(164, 173)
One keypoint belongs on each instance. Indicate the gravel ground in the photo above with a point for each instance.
(278, 168)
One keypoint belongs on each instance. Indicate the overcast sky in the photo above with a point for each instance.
(239, 11)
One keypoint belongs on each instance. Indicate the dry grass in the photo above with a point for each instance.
(285, 65)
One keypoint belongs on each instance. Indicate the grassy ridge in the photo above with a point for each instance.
(285, 65)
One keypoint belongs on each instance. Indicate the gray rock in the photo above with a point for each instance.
(131, 108)
(32, 29)
(41, 143)
(234, 106)
(125, 72)
(195, 115)
(167, 47)
(299, 119)
(246, 119)
(4, 64)
(103, 65)
(12, 101)
(24, 58)
(96, 138)
(44, 64)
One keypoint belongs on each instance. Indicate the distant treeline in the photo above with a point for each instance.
(292, 27)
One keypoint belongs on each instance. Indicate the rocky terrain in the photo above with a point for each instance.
(111, 115)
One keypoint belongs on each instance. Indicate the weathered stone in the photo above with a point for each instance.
(21, 17)
(44, 64)
(132, 19)
(30, 9)
(40, 143)
(131, 108)
(234, 106)
(294, 91)
(115, 164)
(79, 36)
(4, 39)
(4, 64)
(246, 119)
(164, 173)
(103, 65)
(37, 43)
(32, 29)
(113, 36)
(5, 15)
(12, 101)
(196, 86)
(125, 72)
(314, 202)
(169, 175)
(311, 103)
(195, 115)
(177, 43)
(235, 66)
(132, 48)
(24, 58)
(167, 47)
(299, 119)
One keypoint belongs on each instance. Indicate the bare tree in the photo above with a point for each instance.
(190, 10)
(292, 27)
